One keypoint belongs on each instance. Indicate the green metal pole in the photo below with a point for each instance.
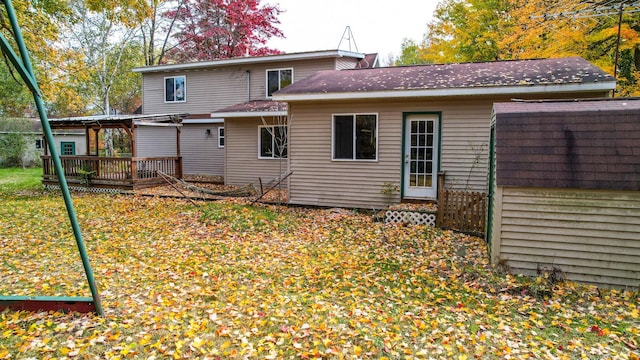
(56, 159)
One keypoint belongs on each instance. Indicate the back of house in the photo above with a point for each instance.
(354, 132)
(228, 102)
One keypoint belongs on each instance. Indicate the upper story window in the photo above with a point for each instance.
(175, 89)
(277, 79)
(221, 137)
(355, 137)
(272, 142)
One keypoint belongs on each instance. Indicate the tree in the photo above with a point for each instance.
(215, 29)
(476, 30)
(410, 54)
(13, 141)
(105, 46)
(465, 30)
(15, 98)
(41, 22)
(161, 17)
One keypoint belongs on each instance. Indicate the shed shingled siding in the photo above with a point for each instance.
(212, 89)
(200, 152)
(156, 141)
(569, 149)
(241, 157)
(591, 235)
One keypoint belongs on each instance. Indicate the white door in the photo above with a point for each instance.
(420, 156)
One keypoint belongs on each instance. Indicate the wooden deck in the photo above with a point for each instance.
(127, 173)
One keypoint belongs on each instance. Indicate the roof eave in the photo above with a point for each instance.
(246, 114)
(448, 92)
(249, 60)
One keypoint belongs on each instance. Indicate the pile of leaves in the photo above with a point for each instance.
(228, 280)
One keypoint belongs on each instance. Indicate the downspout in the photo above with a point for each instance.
(248, 85)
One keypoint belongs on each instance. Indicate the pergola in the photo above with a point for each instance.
(119, 172)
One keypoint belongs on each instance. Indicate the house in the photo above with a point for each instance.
(565, 180)
(149, 147)
(230, 129)
(27, 130)
(353, 132)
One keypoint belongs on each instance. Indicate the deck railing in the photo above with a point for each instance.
(113, 170)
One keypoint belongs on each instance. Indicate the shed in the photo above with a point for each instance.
(565, 181)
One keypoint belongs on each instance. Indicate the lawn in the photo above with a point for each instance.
(16, 179)
(227, 280)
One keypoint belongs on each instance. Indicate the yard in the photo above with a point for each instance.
(228, 280)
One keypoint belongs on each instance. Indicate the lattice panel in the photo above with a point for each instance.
(410, 217)
(84, 189)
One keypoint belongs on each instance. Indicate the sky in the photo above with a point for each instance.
(377, 25)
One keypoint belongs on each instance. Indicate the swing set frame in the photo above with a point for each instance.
(22, 65)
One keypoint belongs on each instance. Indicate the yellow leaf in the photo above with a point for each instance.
(145, 340)
(357, 350)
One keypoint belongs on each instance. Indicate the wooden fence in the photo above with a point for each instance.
(462, 211)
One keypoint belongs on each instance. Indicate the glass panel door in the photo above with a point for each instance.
(421, 156)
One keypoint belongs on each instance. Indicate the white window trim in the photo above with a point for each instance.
(272, 143)
(333, 156)
(266, 79)
(164, 86)
(220, 137)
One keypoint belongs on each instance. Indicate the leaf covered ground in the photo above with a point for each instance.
(227, 280)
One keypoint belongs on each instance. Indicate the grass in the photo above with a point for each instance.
(228, 280)
(16, 179)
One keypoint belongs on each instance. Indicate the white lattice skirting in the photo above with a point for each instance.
(84, 189)
(410, 217)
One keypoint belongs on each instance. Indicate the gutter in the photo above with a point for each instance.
(248, 114)
(448, 92)
(249, 60)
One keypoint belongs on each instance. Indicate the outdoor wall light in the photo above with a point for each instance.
(208, 132)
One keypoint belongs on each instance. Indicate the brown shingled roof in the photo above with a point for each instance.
(254, 106)
(369, 61)
(580, 144)
(518, 73)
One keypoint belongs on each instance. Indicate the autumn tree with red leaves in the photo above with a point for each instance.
(218, 29)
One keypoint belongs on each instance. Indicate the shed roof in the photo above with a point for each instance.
(592, 144)
(486, 78)
(112, 121)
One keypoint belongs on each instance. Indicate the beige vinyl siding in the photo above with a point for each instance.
(156, 141)
(213, 89)
(206, 90)
(242, 165)
(346, 63)
(593, 236)
(79, 139)
(301, 70)
(200, 152)
(316, 180)
(319, 181)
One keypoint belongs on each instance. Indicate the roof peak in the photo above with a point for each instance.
(251, 59)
